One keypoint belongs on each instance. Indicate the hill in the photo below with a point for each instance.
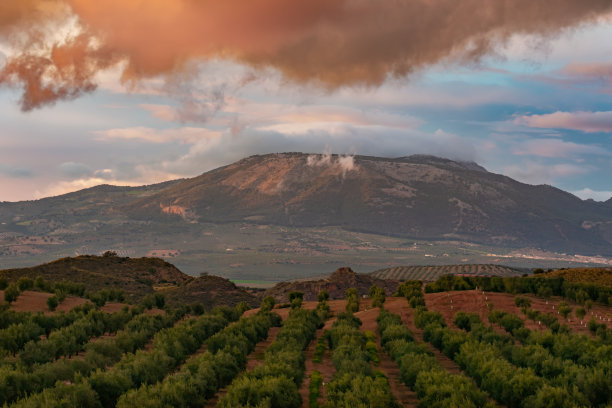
(211, 291)
(596, 276)
(336, 284)
(137, 277)
(433, 272)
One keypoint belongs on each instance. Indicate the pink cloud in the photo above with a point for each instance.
(187, 135)
(537, 173)
(589, 122)
(555, 148)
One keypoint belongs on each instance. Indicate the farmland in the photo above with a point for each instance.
(458, 341)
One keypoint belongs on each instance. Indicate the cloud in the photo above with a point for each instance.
(63, 187)
(75, 170)
(589, 122)
(188, 135)
(537, 173)
(556, 148)
(587, 193)
(345, 139)
(327, 43)
(14, 171)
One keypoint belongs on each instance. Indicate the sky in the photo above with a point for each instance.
(133, 92)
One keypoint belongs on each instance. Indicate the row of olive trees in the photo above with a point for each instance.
(354, 383)
(22, 328)
(204, 374)
(170, 347)
(276, 382)
(19, 382)
(560, 342)
(420, 370)
(506, 370)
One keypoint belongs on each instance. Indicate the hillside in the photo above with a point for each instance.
(336, 285)
(137, 277)
(211, 291)
(596, 276)
(433, 272)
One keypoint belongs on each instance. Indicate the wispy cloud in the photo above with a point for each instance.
(556, 148)
(187, 135)
(589, 122)
(15, 171)
(538, 173)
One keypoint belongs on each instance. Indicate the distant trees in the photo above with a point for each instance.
(295, 299)
(377, 295)
(542, 286)
(352, 300)
(323, 296)
(412, 290)
(267, 304)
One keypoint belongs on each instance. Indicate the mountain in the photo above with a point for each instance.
(336, 285)
(270, 214)
(421, 197)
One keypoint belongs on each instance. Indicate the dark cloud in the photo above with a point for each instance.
(15, 172)
(327, 43)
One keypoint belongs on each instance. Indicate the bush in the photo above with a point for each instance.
(25, 284)
(352, 300)
(52, 303)
(11, 293)
(323, 296)
(521, 301)
(377, 295)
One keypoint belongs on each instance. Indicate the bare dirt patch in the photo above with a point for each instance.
(70, 303)
(113, 307)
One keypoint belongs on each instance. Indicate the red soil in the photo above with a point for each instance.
(113, 307)
(449, 303)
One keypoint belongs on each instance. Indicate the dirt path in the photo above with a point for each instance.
(402, 393)
(254, 359)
